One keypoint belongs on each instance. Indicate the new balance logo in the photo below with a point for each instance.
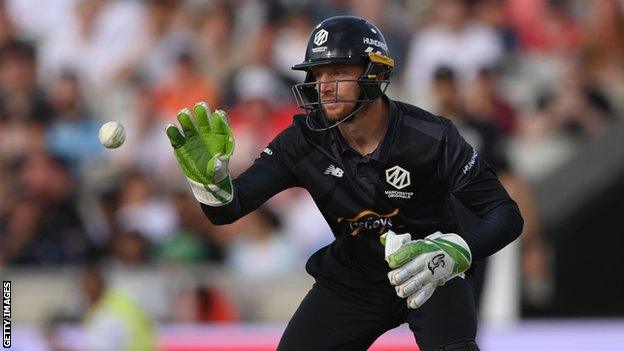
(335, 171)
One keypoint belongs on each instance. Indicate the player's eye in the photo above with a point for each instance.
(337, 73)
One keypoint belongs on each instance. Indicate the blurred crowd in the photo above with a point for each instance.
(517, 76)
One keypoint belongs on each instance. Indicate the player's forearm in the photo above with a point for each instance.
(495, 230)
(223, 214)
(229, 213)
(500, 220)
(251, 189)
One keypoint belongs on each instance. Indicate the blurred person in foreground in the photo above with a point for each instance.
(114, 320)
(373, 166)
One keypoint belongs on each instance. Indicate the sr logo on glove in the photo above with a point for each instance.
(419, 266)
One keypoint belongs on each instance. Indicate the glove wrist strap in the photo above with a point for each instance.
(214, 195)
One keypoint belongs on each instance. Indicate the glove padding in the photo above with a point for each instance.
(420, 266)
(203, 153)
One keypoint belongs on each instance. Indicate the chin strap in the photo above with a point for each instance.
(344, 119)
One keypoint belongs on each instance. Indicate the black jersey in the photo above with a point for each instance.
(405, 185)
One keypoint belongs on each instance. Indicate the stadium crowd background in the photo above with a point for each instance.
(527, 81)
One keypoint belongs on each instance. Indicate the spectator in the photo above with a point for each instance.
(142, 210)
(545, 26)
(21, 99)
(205, 304)
(44, 227)
(478, 131)
(7, 33)
(259, 113)
(165, 33)
(575, 107)
(129, 249)
(291, 40)
(453, 40)
(114, 320)
(72, 134)
(98, 40)
(184, 87)
(492, 13)
(261, 251)
(24, 107)
(603, 48)
(484, 101)
(221, 51)
(192, 242)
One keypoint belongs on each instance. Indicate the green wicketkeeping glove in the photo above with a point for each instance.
(419, 266)
(203, 152)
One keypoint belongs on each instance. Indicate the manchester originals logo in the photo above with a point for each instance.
(321, 37)
(371, 221)
(398, 177)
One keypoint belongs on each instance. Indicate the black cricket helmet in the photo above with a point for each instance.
(348, 40)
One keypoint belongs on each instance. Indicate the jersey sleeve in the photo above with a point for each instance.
(458, 162)
(473, 182)
(268, 175)
(500, 221)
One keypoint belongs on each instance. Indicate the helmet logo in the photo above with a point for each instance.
(320, 37)
(375, 42)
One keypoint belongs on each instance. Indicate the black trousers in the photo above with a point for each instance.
(331, 318)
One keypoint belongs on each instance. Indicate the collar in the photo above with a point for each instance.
(381, 153)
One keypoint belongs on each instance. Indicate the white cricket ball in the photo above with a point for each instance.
(112, 135)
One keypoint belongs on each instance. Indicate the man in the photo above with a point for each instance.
(372, 165)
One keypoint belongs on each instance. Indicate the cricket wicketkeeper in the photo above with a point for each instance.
(382, 173)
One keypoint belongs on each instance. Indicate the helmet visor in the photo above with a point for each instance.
(307, 94)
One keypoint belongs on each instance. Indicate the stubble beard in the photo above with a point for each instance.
(337, 111)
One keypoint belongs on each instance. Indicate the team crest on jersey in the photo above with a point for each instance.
(371, 221)
(399, 178)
